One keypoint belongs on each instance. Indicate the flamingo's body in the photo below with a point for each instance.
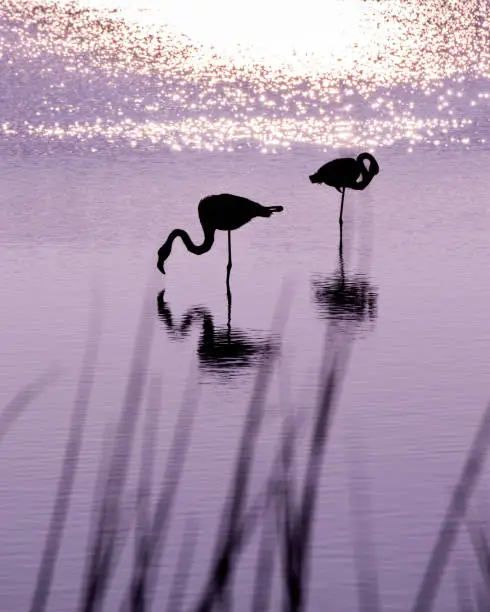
(346, 172)
(224, 212)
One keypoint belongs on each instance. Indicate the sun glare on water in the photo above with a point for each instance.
(219, 74)
(308, 36)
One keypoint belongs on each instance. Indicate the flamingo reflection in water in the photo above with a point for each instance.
(221, 350)
(340, 297)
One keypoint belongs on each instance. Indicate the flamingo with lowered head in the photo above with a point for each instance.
(224, 212)
(345, 172)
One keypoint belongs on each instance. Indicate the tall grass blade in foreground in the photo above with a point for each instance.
(277, 486)
(26, 396)
(364, 557)
(298, 523)
(264, 571)
(463, 590)
(228, 544)
(70, 464)
(145, 571)
(481, 547)
(103, 555)
(182, 568)
(137, 598)
(455, 512)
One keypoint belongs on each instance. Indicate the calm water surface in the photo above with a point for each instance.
(113, 126)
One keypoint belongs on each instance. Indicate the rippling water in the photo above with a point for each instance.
(116, 117)
(338, 74)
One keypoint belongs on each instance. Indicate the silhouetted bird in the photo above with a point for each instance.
(345, 172)
(217, 212)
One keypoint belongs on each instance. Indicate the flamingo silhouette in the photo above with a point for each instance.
(217, 212)
(345, 172)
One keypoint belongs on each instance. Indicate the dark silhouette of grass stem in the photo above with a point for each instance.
(103, 556)
(455, 512)
(70, 464)
(145, 571)
(137, 599)
(183, 567)
(25, 397)
(463, 592)
(264, 571)
(298, 523)
(364, 557)
(229, 541)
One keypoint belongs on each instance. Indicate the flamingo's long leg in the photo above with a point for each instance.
(228, 267)
(228, 270)
(342, 206)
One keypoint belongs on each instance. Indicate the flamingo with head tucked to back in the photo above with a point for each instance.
(345, 172)
(224, 212)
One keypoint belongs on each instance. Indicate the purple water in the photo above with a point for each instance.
(83, 210)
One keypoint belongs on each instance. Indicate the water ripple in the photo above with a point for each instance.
(374, 74)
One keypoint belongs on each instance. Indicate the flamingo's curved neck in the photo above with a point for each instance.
(197, 249)
(191, 316)
(367, 175)
(207, 329)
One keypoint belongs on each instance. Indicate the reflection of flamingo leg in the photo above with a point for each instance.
(228, 323)
(341, 259)
(228, 270)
